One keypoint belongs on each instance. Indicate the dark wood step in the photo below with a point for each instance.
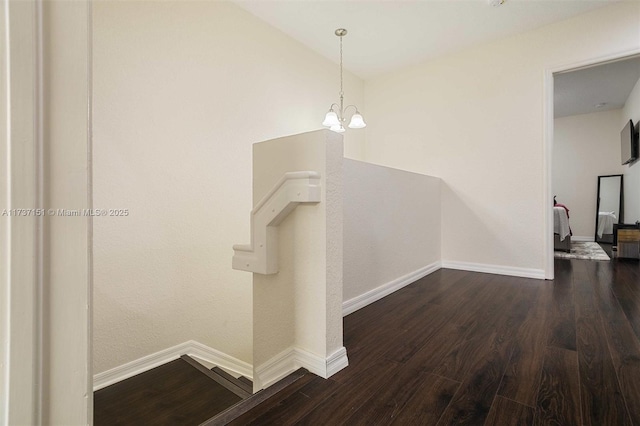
(248, 387)
(256, 399)
(233, 387)
(246, 381)
(174, 393)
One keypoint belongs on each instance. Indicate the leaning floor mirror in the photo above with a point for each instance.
(609, 208)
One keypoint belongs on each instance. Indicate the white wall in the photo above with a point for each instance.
(391, 225)
(181, 91)
(584, 147)
(475, 119)
(631, 111)
(301, 306)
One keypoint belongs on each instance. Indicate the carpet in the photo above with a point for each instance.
(583, 250)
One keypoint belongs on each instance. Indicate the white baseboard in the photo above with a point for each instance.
(580, 239)
(495, 269)
(191, 348)
(220, 359)
(289, 360)
(337, 361)
(378, 293)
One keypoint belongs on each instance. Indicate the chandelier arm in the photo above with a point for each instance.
(349, 106)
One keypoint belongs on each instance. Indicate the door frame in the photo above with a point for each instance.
(45, 262)
(21, 258)
(548, 141)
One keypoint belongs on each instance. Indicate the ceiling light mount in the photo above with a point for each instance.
(335, 117)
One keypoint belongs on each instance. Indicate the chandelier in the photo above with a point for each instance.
(335, 118)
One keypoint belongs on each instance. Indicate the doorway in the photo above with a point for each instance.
(586, 112)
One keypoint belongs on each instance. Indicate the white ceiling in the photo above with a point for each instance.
(387, 35)
(578, 92)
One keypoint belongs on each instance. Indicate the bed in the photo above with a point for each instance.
(561, 229)
(606, 220)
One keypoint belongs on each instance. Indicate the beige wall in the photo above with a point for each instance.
(391, 226)
(584, 147)
(181, 91)
(631, 111)
(475, 119)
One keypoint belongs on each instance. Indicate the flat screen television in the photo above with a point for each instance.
(629, 143)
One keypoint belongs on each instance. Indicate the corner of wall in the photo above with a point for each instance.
(293, 358)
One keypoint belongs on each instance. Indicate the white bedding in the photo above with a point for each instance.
(561, 223)
(605, 223)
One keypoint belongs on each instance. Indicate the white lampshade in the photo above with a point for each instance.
(337, 128)
(331, 119)
(357, 122)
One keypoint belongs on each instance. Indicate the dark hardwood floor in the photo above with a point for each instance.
(175, 393)
(452, 348)
(467, 348)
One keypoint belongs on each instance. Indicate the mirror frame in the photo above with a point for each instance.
(621, 203)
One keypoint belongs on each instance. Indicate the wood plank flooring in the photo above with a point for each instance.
(466, 348)
(173, 394)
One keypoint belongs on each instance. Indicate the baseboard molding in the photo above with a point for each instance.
(495, 269)
(358, 302)
(289, 360)
(580, 239)
(337, 361)
(191, 348)
(220, 359)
